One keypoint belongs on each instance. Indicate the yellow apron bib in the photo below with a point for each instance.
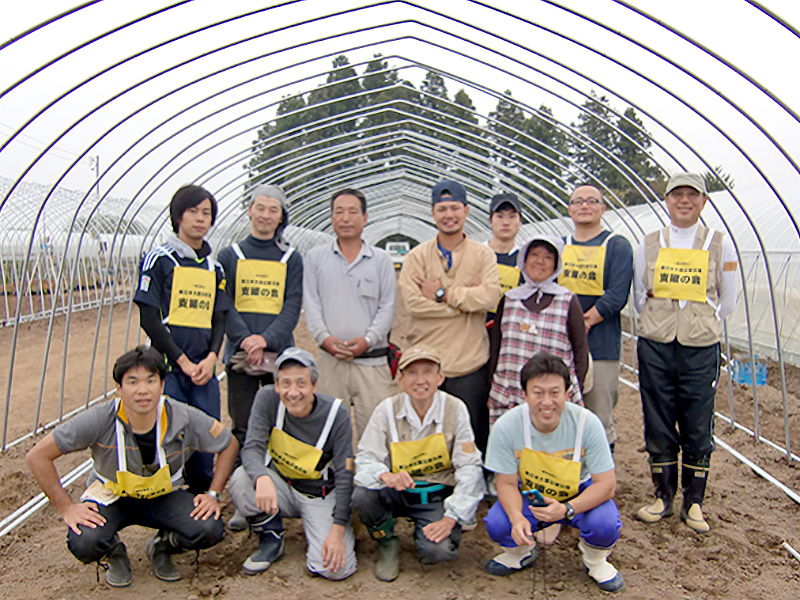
(681, 274)
(260, 284)
(554, 477)
(293, 458)
(191, 303)
(418, 457)
(509, 277)
(584, 268)
(137, 486)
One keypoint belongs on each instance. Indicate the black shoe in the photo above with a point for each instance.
(159, 549)
(118, 567)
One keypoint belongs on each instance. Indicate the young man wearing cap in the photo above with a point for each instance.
(449, 284)
(685, 284)
(297, 463)
(418, 459)
(505, 219)
(598, 268)
(552, 466)
(182, 308)
(349, 296)
(139, 441)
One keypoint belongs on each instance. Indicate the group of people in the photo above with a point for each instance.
(509, 377)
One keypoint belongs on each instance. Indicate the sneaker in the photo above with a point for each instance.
(238, 522)
(471, 526)
(118, 567)
(512, 560)
(159, 549)
(694, 519)
(654, 512)
(270, 550)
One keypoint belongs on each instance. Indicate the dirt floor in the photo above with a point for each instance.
(742, 556)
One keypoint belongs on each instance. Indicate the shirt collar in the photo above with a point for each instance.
(432, 417)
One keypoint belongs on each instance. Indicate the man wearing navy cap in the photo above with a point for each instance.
(505, 219)
(448, 285)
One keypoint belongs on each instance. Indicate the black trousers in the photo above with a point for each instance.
(242, 390)
(473, 389)
(678, 385)
(170, 512)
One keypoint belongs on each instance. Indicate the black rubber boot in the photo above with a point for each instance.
(693, 485)
(387, 568)
(270, 532)
(665, 480)
(159, 550)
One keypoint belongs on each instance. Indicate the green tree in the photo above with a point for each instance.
(289, 116)
(547, 149)
(595, 122)
(719, 180)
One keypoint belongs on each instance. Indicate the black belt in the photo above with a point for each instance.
(376, 353)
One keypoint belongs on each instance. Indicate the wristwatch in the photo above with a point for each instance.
(570, 511)
(214, 495)
(439, 295)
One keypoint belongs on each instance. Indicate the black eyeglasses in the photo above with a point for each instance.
(589, 201)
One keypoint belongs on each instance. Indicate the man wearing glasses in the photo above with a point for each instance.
(598, 267)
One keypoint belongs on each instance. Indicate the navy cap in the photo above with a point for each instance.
(455, 189)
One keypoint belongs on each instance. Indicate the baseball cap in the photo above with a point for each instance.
(455, 189)
(499, 200)
(298, 355)
(418, 353)
(692, 180)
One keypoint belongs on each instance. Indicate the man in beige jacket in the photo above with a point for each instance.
(448, 285)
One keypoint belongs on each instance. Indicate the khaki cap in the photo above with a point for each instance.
(416, 353)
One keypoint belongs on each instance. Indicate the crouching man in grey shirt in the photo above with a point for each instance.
(297, 461)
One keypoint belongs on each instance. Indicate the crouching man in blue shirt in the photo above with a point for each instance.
(139, 441)
(557, 453)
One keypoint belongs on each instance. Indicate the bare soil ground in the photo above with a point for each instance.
(742, 556)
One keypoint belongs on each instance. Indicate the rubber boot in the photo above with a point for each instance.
(665, 480)
(118, 566)
(512, 560)
(159, 550)
(270, 532)
(603, 572)
(693, 485)
(387, 568)
(238, 522)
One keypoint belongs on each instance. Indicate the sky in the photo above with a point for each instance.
(152, 125)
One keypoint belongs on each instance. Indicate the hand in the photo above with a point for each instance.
(333, 550)
(256, 357)
(397, 481)
(204, 507)
(337, 348)
(521, 531)
(554, 511)
(84, 513)
(439, 530)
(591, 317)
(266, 496)
(205, 369)
(187, 366)
(357, 346)
(428, 288)
(253, 342)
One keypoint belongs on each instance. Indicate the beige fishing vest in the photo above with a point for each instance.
(694, 324)
(446, 477)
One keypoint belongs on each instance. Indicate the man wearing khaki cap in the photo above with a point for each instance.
(684, 285)
(418, 459)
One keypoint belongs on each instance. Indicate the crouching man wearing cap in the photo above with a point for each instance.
(557, 453)
(684, 285)
(139, 442)
(418, 459)
(297, 462)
